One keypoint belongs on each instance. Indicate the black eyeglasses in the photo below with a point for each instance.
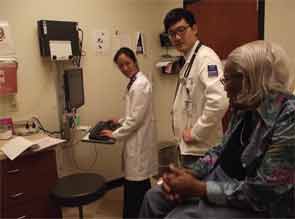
(180, 31)
(226, 80)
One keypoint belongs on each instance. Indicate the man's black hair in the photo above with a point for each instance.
(128, 52)
(176, 15)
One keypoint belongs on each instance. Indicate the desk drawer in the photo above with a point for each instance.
(21, 177)
(34, 163)
(28, 178)
(27, 189)
(41, 208)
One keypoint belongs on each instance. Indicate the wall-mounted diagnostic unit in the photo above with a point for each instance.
(58, 39)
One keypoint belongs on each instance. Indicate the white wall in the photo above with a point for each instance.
(36, 75)
(279, 24)
(104, 84)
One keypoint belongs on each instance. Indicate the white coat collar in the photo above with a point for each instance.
(191, 52)
(133, 79)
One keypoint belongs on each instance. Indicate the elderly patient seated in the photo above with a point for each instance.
(251, 174)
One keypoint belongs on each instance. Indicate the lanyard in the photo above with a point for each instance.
(186, 74)
(132, 79)
(188, 69)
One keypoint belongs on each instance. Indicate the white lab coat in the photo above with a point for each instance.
(204, 107)
(140, 154)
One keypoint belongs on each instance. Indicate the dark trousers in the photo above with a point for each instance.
(134, 192)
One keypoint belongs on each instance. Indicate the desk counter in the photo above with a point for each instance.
(25, 183)
(29, 137)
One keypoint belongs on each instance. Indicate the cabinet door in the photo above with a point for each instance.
(226, 24)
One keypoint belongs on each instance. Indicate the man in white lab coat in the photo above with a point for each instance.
(140, 155)
(200, 100)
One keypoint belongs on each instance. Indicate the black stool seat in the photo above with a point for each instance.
(78, 189)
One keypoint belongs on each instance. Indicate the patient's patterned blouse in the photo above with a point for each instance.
(262, 178)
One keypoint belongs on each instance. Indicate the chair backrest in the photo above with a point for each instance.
(168, 153)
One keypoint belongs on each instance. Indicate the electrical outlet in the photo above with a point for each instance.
(25, 127)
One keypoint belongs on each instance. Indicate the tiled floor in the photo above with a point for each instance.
(109, 206)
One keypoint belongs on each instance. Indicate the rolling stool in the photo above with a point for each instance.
(77, 190)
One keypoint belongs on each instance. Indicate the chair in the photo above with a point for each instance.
(168, 153)
(77, 190)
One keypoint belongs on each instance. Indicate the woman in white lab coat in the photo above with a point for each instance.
(140, 155)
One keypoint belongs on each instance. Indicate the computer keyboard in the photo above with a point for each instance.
(101, 125)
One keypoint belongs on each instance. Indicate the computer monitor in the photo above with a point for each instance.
(74, 88)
